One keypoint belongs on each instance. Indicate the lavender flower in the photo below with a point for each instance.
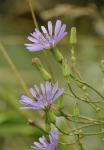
(42, 98)
(43, 144)
(46, 39)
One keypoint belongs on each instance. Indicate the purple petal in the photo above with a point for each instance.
(50, 28)
(60, 34)
(57, 27)
(37, 89)
(34, 105)
(38, 35)
(60, 37)
(30, 103)
(32, 39)
(34, 47)
(30, 107)
(44, 30)
(58, 94)
(26, 101)
(48, 92)
(26, 98)
(48, 86)
(43, 141)
(32, 91)
(42, 89)
(47, 37)
(54, 137)
(55, 88)
(37, 144)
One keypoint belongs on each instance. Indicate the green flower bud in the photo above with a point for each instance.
(73, 36)
(46, 76)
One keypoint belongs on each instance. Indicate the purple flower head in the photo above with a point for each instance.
(48, 38)
(43, 144)
(43, 98)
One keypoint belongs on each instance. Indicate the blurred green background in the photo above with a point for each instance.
(15, 24)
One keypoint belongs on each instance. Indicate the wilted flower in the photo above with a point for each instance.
(46, 39)
(44, 144)
(42, 98)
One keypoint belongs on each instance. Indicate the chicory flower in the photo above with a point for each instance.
(47, 38)
(44, 144)
(42, 98)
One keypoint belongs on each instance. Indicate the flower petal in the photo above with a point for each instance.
(42, 89)
(34, 47)
(33, 105)
(26, 101)
(50, 28)
(32, 91)
(26, 98)
(55, 88)
(43, 141)
(47, 37)
(38, 35)
(58, 94)
(48, 86)
(32, 39)
(57, 27)
(48, 92)
(37, 89)
(60, 37)
(54, 137)
(60, 34)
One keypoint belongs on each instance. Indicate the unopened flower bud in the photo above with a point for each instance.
(46, 76)
(36, 61)
(73, 36)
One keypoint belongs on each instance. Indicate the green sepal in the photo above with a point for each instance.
(58, 55)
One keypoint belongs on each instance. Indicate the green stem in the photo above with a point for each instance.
(91, 134)
(88, 120)
(92, 105)
(32, 13)
(48, 64)
(80, 143)
(74, 131)
(84, 99)
(47, 120)
(88, 85)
